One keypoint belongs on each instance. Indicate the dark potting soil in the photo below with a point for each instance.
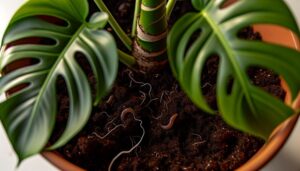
(194, 141)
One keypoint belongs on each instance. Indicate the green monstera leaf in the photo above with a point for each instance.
(60, 27)
(246, 107)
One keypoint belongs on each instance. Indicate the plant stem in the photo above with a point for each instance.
(114, 24)
(170, 7)
(153, 24)
(149, 48)
(126, 58)
(137, 9)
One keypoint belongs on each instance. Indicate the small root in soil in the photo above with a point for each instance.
(143, 96)
(152, 100)
(157, 117)
(123, 115)
(142, 84)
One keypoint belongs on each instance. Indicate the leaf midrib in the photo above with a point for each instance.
(53, 69)
(240, 74)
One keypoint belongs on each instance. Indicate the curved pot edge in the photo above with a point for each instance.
(272, 147)
(61, 163)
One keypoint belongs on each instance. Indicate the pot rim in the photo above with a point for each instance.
(60, 162)
(273, 144)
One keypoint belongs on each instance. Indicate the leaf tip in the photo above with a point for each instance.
(98, 20)
(20, 159)
(96, 102)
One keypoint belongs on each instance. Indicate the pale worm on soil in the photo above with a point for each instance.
(171, 122)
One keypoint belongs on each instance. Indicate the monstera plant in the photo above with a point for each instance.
(29, 114)
(49, 34)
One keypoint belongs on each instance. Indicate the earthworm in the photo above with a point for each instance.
(125, 112)
(171, 122)
(198, 143)
(110, 99)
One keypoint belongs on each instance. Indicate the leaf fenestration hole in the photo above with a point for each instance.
(63, 109)
(17, 88)
(32, 41)
(87, 69)
(228, 3)
(278, 35)
(54, 20)
(267, 80)
(192, 40)
(22, 63)
(209, 79)
(248, 33)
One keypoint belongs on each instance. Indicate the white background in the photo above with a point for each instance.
(8, 158)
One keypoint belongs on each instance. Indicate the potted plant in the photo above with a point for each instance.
(55, 46)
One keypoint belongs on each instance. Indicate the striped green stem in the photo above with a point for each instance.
(150, 45)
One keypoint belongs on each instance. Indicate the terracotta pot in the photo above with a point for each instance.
(277, 139)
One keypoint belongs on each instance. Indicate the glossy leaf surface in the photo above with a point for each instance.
(246, 107)
(51, 33)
